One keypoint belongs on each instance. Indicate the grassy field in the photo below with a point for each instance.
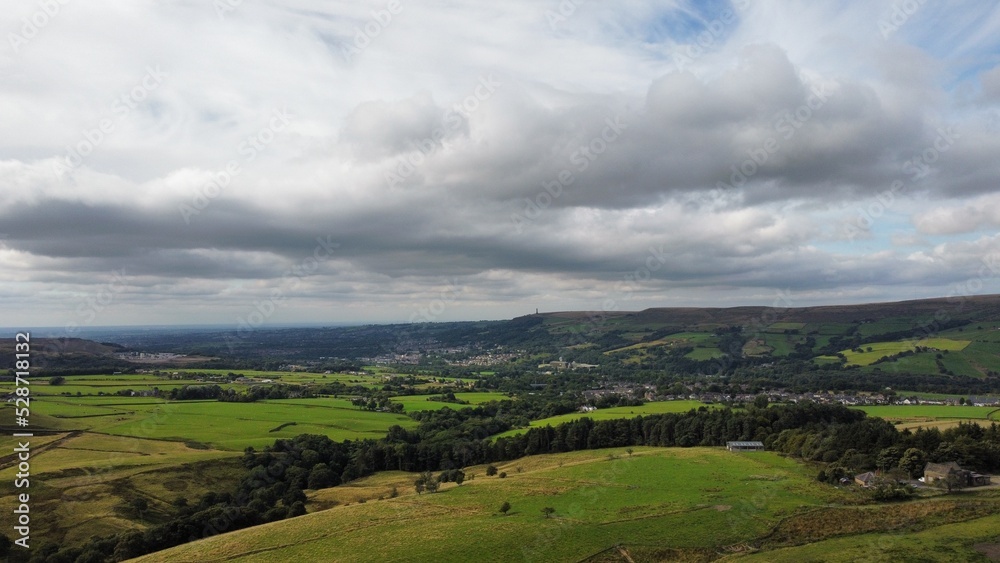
(81, 482)
(660, 407)
(413, 403)
(903, 412)
(876, 350)
(932, 416)
(945, 544)
(660, 504)
(691, 499)
(234, 426)
(228, 426)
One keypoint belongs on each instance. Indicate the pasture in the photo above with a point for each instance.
(234, 426)
(221, 425)
(659, 407)
(932, 416)
(689, 499)
(413, 403)
(874, 351)
(81, 482)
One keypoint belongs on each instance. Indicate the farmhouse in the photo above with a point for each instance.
(865, 479)
(744, 446)
(939, 471)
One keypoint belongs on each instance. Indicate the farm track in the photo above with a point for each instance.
(12, 459)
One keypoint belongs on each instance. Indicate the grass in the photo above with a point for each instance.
(902, 412)
(946, 543)
(932, 416)
(880, 349)
(234, 426)
(79, 483)
(704, 354)
(781, 344)
(693, 498)
(228, 426)
(659, 407)
(413, 403)
(786, 326)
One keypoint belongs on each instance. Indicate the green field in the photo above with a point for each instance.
(660, 504)
(945, 544)
(876, 350)
(659, 407)
(781, 327)
(222, 425)
(413, 403)
(234, 426)
(688, 499)
(932, 416)
(81, 482)
(906, 412)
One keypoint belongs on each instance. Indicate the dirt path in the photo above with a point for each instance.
(11, 459)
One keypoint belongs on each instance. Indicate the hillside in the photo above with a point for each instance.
(695, 504)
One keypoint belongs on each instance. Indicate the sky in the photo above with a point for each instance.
(253, 162)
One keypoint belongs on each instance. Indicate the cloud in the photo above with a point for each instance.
(534, 160)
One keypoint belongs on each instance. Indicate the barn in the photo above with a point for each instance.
(745, 446)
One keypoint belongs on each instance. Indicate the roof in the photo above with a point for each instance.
(865, 477)
(745, 444)
(942, 467)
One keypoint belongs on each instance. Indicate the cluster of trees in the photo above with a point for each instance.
(377, 402)
(427, 481)
(251, 394)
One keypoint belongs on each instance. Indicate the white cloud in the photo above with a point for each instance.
(679, 175)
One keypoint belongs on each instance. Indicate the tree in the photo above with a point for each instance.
(320, 477)
(491, 470)
(140, 505)
(629, 451)
(426, 482)
(504, 508)
(913, 462)
(952, 482)
(548, 511)
(889, 458)
(57, 380)
(458, 477)
(432, 485)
